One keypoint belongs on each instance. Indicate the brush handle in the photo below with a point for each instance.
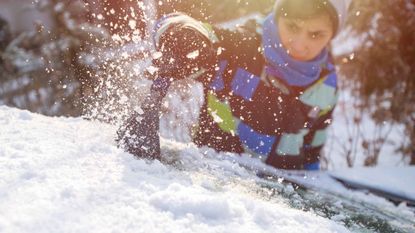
(139, 135)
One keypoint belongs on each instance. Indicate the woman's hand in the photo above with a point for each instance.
(184, 47)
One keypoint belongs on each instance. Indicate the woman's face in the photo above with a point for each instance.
(305, 39)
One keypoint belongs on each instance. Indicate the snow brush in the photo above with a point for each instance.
(184, 48)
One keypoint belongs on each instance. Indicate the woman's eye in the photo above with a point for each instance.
(315, 35)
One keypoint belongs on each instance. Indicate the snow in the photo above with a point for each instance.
(193, 55)
(346, 42)
(343, 130)
(389, 180)
(398, 181)
(67, 175)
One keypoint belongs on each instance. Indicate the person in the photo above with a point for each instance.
(270, 87)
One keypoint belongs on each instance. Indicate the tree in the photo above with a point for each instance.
(382, 68)
(45, 69)
(5, 34)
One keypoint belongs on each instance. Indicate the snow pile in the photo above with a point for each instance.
(396, 181)
(67, 175)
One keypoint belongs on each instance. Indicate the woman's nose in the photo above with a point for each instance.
(299, 44)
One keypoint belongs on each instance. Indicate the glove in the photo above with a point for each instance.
(185, 46)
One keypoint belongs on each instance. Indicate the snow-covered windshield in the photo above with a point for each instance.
(67, 174)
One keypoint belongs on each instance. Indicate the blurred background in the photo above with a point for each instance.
(81, 58)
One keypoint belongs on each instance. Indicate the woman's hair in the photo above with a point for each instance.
(306, 9)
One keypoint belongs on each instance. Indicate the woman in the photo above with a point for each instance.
(270, 87)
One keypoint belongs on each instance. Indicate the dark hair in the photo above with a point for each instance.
(306, 9)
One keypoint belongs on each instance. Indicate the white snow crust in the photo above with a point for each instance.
(67, 175)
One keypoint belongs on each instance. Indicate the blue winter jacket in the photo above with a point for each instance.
(248, 109)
